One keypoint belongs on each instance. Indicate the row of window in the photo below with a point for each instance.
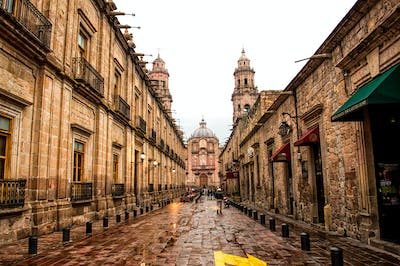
(245, 82)
(78, 160)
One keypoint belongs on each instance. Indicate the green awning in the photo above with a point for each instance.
(383, 89)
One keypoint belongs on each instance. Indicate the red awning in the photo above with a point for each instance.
(282, 154)
(310, 137)
(231, 175)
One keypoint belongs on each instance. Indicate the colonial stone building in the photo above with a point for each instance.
(203, 150)
(328, 141)
(83, 134)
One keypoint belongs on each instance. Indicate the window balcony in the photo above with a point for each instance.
(12, 193)
(118, 190)
(81, 191)
(141, 125)
(162, 144)
(123, 108)
(25, 15)
(153, 136)
(85, 73)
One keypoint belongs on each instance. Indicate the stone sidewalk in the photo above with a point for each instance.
(186, 234)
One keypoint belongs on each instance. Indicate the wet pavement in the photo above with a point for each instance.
(186, 234)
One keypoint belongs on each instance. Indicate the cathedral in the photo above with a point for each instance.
(203, 151)
(245, 92)
(159, 77)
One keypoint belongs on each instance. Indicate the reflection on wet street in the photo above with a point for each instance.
(188, 234)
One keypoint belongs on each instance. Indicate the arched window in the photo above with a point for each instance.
(246, 108)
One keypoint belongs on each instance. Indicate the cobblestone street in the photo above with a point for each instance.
(186, 234)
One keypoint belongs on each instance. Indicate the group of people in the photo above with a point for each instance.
(218, 194)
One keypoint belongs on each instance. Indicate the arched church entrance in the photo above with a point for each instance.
(203, 180)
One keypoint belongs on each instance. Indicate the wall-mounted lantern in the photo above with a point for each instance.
(284, 129)
(142, 156)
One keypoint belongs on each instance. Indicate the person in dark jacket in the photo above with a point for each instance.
(219, 196)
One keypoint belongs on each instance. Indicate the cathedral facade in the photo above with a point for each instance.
(203, 151)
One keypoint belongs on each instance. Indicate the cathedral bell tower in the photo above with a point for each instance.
(245, 92)
(159, 77)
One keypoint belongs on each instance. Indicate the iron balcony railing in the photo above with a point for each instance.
(12, 193)
(123, 107)
(26, 14)
(203, 167)
(118, 190)
(81, 191)
(141, 124)
(86, 73)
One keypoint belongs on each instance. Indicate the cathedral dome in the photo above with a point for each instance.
(203, 131)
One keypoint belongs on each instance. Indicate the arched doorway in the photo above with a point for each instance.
(203, 180)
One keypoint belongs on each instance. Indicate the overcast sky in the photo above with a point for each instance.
(201, 41)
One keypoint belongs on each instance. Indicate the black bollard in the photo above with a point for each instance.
(147, 208)
(33, 244)
(141, 211)
(126, 215)
(250, 213)
(244, 209)
(255, 215)
(336, 256)
(305, 241)
(105, 222)
(134, 213)
(65, 235)
(262, 219)
(118, 218)
(151, 207)
(285, 230)
(89, 228)
(272, 224)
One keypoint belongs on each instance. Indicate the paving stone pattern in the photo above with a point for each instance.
(186, 234)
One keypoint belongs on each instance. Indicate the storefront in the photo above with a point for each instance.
(283, 155)
(311, 139)
(377, 104)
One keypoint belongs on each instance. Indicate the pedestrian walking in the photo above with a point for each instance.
(219, 196)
